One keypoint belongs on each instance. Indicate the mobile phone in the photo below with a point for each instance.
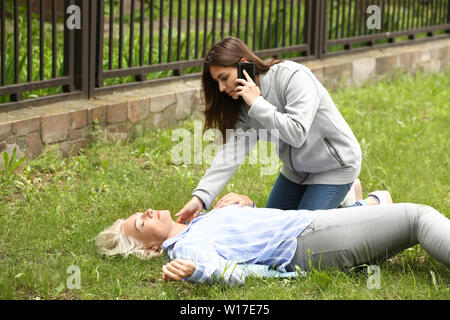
(247, 66)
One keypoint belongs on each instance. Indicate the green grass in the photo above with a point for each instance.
(52, 208)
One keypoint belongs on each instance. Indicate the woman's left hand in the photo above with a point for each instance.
(178, 269)
(248, 90)
(232, 198)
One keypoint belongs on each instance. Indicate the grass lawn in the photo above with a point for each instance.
(52, 209)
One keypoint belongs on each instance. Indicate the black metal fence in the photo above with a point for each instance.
(128, 42)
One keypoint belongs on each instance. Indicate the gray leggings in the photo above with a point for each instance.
(343, 238)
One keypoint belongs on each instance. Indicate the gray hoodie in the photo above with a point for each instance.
(315, 143)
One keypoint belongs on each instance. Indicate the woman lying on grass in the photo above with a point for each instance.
(232, 242)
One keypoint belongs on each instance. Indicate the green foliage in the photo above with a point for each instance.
(10, 165)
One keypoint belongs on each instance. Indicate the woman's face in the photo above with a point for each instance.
(151, 228)
(225, 77)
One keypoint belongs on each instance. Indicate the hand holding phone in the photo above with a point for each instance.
(247, 66)
(247, 88)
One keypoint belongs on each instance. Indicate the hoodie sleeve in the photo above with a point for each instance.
(301, 103)
(227, 159)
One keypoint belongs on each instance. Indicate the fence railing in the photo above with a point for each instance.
(127, 42)
(31, 58)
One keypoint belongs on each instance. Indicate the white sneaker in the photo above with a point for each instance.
(382, 197)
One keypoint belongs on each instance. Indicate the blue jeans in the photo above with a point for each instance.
(287, 195)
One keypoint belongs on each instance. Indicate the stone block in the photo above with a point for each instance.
(197, 103)
(184, 104)
(445, 57)
(31, 144)
(428, 66)
(363, 70)
(117, 113)
(435, 53)
(5, 130)
(24, 127)
(55, 128)
(97, 114)
(79, 119)
(424, 55)
(162, 102)
(35, 146)
(386, 65)
(337, 75)
(406, 62)
(78, 133)
(138, 110)
(163, 119)
(10, 139)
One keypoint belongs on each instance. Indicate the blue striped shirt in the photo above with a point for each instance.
(230, 243)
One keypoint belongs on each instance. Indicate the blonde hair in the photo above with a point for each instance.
(112, 241)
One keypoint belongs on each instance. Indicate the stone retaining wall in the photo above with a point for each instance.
(70, 125)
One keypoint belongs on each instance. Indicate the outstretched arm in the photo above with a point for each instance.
(202, 265)
(178, 269)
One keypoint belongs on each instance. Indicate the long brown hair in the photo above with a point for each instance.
(221, 111)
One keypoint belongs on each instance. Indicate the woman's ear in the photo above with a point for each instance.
(155, 248)
(244, 60)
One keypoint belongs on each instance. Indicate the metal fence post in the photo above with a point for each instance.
(85, 48)
(92, 46)
(323, 27)
(316, 24)
(448, 17)
(68, 50)
(81, 46)
(100, 28)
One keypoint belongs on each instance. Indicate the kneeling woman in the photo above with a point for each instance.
(243, 241)
(320, 154)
